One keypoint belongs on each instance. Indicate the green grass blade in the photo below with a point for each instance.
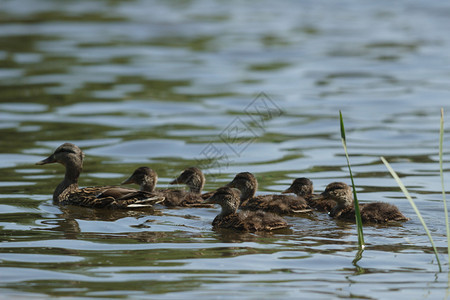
(359, 225)
(341, 121)
(441, 170)
(408, 196)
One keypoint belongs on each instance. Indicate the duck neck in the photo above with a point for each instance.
(70, 182)
(248, 192)
(196, 184)
(304, 192)
(147, 187)
(195, 189)
(149, 184)
(228, 209)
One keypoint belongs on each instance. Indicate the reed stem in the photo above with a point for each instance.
(355, 197)
(411, 201)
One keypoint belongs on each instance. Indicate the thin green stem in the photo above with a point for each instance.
(408, 196)
(359, 225)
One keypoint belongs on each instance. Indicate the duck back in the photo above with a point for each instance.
(278, 204)
(181, 198)
(251, 221)
(376, 212)
(381, 212)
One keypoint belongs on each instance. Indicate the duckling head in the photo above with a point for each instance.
(246, 183)
(301, 187)
(339, 192)
(227, 198)
(193, 177)
(145, 177)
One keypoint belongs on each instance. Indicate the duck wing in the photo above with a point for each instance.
(231, 221)
(181, 198)
(261, 221)
(112, 197)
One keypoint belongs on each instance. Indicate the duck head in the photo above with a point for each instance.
(70, 156)
(246, 183)
(193, 177)
(339, 192)
(301, 187)
(227, 198)
(145, 177)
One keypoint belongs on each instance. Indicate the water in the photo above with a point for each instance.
(170, 84)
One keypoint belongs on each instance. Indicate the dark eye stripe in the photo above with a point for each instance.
(65, 150)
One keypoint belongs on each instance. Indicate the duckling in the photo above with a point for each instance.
(303, 187)
(229, 218)
(279, 204)
(375, 212)
(147, 178)
(68, 192)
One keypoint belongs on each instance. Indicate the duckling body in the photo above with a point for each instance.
(147, 178)
(376, 212)
(251, 221)
(279, 204)
(180, 198)
(68, 192)
(303, 187)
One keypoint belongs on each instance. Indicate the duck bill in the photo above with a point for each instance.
(287, 191)
(210, 200)
(175, 181)
(230, 184)
(318, 197)
(48, 160)
(130, 180)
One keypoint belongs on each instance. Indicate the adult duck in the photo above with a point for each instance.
(68, 192)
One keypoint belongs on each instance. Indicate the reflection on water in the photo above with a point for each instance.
(172, 84)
